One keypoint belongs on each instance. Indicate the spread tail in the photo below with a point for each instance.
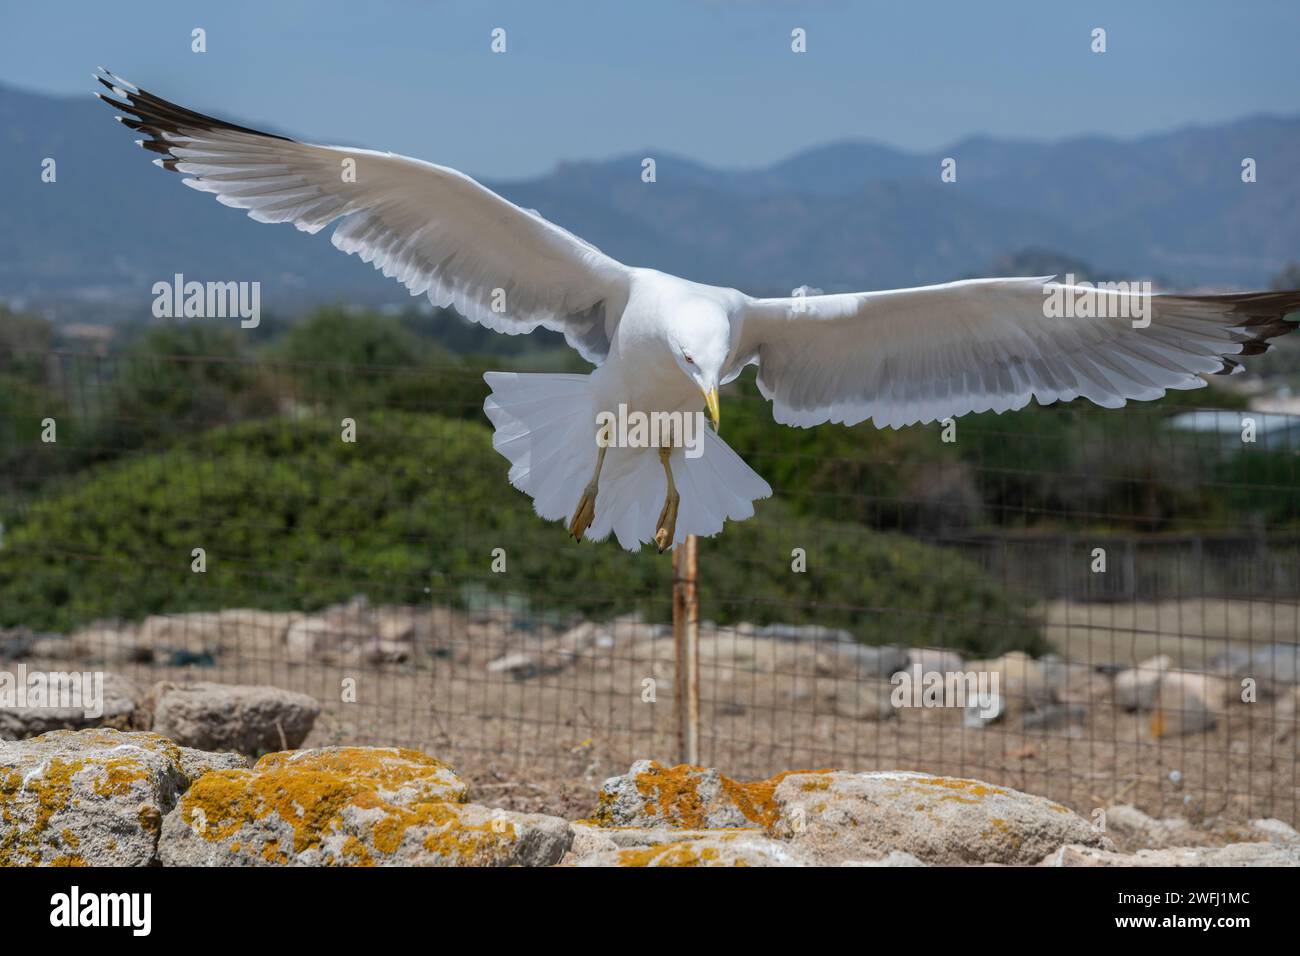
(546, 426)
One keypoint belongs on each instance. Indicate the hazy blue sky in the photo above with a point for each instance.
(715, 81)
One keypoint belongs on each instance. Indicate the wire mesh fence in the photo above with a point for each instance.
(1125, 584)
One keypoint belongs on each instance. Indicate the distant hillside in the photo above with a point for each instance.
(839, 216)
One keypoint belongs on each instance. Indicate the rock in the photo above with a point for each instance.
(1234, 854)
(47, 647)
(882, 661)
(1023, 684)
(205, 635)
(518, 664)
(1137, 687)
(923, 660)
(117, 708)
(105, 644)
(833, 817)
(726, 849)
(1187, 703)
(683, 797)
(16, 643)
(589, 639)
(589, 838)
(196, 637)
(866, 699)
(326, 636)
(897, 858)
(1275, 831)
(396, 625)
(798, 632)
(195, 763)
(376, 650)
(839, 816)
(351, 806)
(246, 719)
(88, 797)
(1270, 663)
(1132, 823)
(1054, 716)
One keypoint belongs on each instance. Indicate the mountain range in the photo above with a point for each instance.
(848, 215)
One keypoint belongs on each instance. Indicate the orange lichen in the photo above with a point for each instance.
(271, 852)
(673, 854)
(672, 797)
(356, 852)
(1002, 827)
(973, 788)
(473, 843)
(118, 776)
(665, 854)
(150, 818)
(757, 799)
(675, 791)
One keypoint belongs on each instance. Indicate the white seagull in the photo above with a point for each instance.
(662, 344)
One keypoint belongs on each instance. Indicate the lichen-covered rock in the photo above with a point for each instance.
(92, 797)
(843, 816)
(250, 720)
(1234, 854)
(351, 806)
(685, 797)
(117, 708)
(722, 849)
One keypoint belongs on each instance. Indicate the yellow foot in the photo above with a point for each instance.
(584, 514)
(667, 524)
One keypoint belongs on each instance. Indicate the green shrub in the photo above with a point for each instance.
(292, 517)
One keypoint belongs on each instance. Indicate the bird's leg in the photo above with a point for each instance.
(667, 524)
(585, 513)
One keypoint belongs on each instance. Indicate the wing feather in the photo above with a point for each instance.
(921, 355)
(435, 230)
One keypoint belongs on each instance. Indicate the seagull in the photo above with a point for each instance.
(662, 346)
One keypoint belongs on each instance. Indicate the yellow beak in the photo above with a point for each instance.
(711, 401)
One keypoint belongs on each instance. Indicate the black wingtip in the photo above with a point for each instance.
(164, 123)
(1261, 317)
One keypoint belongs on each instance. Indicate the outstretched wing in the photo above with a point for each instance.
(433, 229)
(921, 355)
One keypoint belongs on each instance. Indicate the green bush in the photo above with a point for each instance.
(291, 517)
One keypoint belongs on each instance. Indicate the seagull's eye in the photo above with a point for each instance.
(689, 360)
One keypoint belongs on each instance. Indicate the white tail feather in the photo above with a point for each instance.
(546, 426)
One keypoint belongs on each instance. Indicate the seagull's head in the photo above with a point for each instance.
(699, 337)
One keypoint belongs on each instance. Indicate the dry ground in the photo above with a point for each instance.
(545, 742)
